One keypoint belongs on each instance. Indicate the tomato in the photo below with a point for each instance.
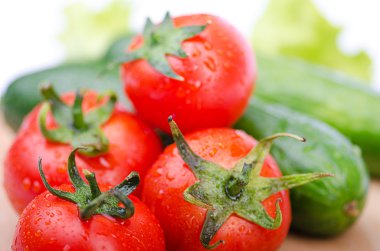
(182, 221)
(216, 212)
(132, 146)
(50, 223)
(87, 217)
(212, 79)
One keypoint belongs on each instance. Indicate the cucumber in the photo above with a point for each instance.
(340, 101)
(326, 207)
(23, 93)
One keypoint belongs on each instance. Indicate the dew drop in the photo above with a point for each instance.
(241, 228)
(104, 162)
(210, 64)
(196, 53)
(36, 187)
(212, 152)
(207, 46)
(38, 233)
(26, 183)
(160, 194)
(170, 176)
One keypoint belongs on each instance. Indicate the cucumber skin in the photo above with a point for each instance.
(319, 207)
(351, 107)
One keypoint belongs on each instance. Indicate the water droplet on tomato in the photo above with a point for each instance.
(170, 176)
(196, 53)
(104, 162)
(26, 183)
(36, 187)
(38, 233)
(160, 194)
(207, 46)
(210, 64)
(212, 152)
(198, 83)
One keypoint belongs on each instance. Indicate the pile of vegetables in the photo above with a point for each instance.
(213, 187)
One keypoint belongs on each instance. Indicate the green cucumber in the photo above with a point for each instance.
(340, 101)
(23, 93)
(326, 207)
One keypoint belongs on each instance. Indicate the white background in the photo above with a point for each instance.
(29, 29)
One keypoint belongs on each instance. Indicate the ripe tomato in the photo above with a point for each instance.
(132, 146)
(212, 79)
(50, 223)
(165, 183)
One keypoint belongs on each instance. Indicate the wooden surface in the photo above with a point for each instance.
(363, 236)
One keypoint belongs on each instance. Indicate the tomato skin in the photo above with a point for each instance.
(50, 223)
(133, 147)
(219, 75)
(182, 221)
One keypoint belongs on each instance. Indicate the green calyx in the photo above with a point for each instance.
(162, 40)
(240, 190)
(88, 197)
(75, 127)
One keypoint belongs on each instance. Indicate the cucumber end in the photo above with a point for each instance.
(352, 209)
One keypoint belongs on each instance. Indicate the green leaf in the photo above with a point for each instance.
(296, 28)
(159, 41)
(88, 32)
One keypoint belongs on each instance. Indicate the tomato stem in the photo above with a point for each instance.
(75, 127)
(89, 199)
(162, 40)
(240, 190)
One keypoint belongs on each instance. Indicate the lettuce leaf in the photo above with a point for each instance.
(296, 28)
(88, 33)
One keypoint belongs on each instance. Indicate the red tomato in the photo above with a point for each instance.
(133, 146)
(219, 74)
(182, 221)
(50, 223)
